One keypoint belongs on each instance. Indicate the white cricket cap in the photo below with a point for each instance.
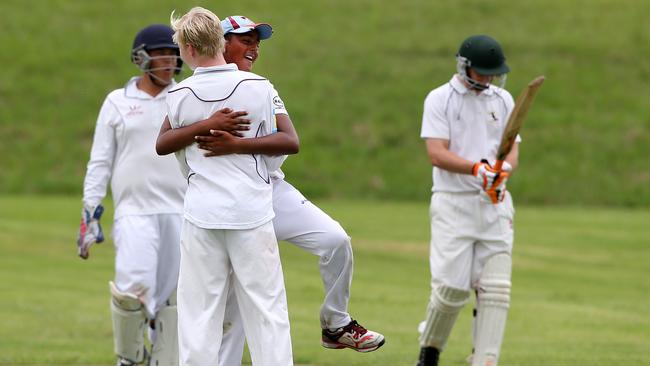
(239, 24)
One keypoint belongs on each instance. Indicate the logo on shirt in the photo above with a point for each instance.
(134, 110)
(278, 103)
(493, 115)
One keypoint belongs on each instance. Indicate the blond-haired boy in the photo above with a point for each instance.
(227, 230)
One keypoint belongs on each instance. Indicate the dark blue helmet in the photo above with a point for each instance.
(153, 37)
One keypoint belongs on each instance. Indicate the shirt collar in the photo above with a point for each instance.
(131, 90)
(205, 70)
(461, 88)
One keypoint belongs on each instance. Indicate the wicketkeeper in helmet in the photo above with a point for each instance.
(471, 237)
(147, 192)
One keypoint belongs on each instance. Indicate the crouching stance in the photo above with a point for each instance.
(471, 237)
(147, 192)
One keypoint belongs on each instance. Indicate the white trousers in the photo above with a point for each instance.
(303, 224)
(147, 257)
(465, 232)
(209, 258)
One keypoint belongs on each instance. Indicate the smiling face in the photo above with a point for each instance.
(242, 49)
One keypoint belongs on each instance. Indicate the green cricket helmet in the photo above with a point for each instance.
(483, 54)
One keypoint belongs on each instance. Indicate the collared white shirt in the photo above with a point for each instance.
(230, 191)
(472, 123)
(123, 151)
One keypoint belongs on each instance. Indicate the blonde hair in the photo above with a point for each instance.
(200, 28)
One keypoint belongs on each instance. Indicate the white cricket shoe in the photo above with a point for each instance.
(352, 336)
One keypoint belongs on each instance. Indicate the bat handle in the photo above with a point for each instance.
(498, 165)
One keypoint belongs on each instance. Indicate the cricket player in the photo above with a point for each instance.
(297, 220)
(227, 237)
(147, 193)
(471, 237)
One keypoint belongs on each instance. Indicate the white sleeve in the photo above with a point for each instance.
(434, 120)
(102, 155)
(276, 105)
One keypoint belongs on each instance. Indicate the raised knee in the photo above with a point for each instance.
(336, 239)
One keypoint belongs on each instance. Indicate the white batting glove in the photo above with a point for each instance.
(90, 231)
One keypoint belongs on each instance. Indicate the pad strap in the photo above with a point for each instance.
(444, 306)
(493, 304)
(129, 322)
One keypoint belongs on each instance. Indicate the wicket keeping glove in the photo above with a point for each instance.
(90, 231)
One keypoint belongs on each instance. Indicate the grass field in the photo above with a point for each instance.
(579, 297)
(354, 75)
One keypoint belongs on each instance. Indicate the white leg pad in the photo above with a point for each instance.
(165, 349)
(444, 306)
(129, 323)
(493, 304)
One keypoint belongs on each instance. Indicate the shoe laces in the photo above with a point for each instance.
(355, 328)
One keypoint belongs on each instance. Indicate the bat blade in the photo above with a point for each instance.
(517, 117)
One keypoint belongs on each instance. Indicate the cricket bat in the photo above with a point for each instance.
(516, 120)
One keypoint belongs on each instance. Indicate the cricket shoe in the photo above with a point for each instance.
(121, 361)
(469, 359)
(352, 336)
(124, 362)
(428, 356)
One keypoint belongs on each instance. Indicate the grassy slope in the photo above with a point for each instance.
(354, 75)
(579, 296)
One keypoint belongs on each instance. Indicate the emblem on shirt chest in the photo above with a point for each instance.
(492, 117)
(134, 110)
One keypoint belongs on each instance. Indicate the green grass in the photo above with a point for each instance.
(354, 75)
(579, 294)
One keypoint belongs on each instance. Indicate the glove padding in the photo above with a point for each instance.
(484, 172)
(497, 191)
(90, 231)
(492, 181)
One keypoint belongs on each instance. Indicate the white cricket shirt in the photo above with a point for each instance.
(230, 191)
(472, 123)
(123, 151)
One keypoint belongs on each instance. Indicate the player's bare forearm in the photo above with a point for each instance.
(283, 142)
(441, 157)
(513, 157)
(171, 140)
(280, 143)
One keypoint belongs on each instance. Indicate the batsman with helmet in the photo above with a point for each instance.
(471, 211)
